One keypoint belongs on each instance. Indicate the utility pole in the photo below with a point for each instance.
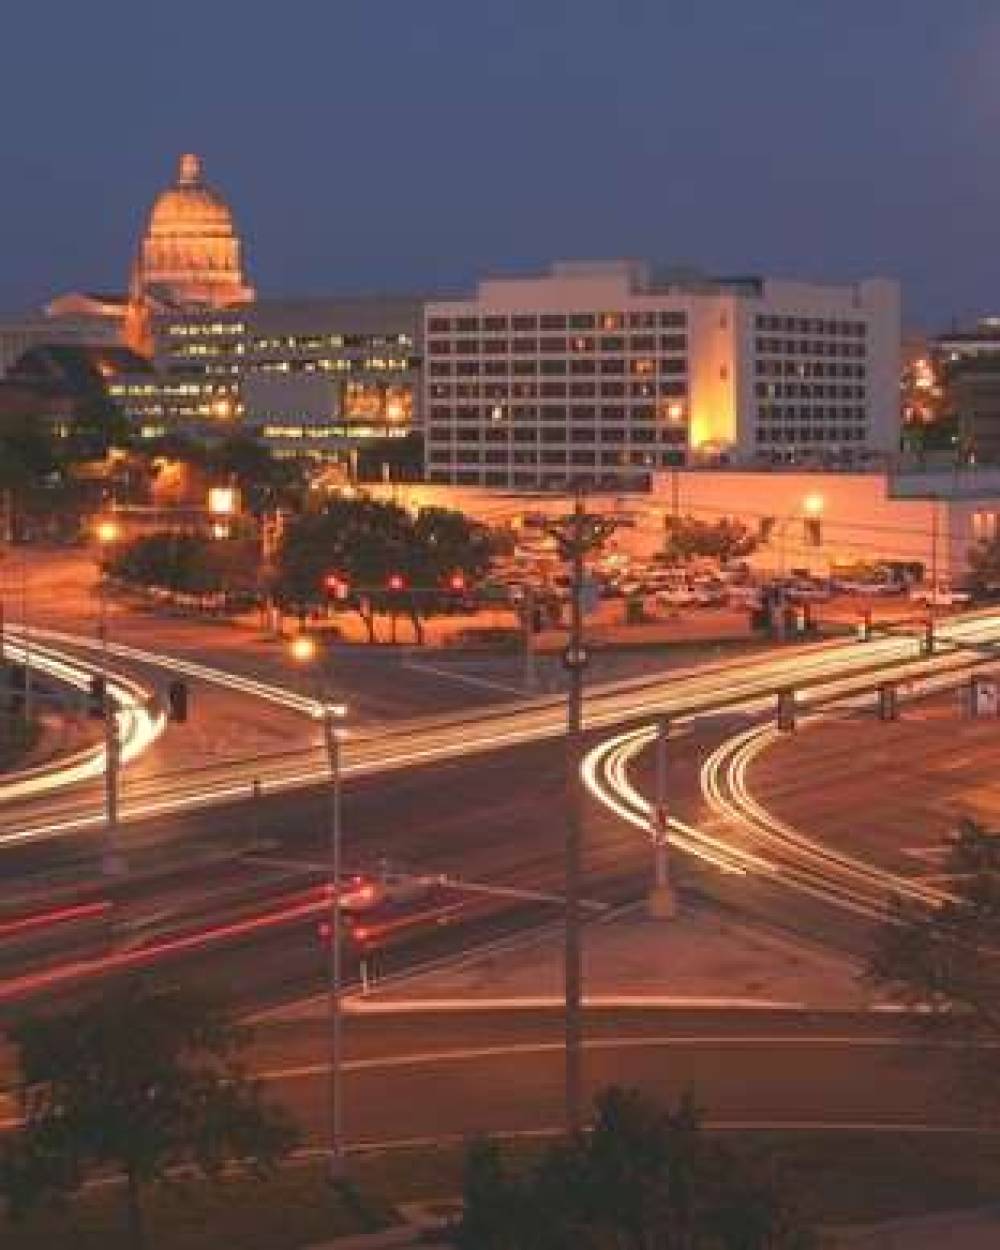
(528, 605)
(662, 901)
(26, 635)
(332, 735)
(575, 659)
(575, 535)
(113, 864)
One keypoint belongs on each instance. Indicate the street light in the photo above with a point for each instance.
(106, 532)
(811, 508)
(303, 650)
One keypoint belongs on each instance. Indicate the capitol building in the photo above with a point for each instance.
(190, 253)
(189, 347)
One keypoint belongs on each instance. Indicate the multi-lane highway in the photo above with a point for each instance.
(747, 686)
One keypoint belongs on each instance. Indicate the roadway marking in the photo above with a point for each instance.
(467, 678)
(360, 1005)
(472, 1054)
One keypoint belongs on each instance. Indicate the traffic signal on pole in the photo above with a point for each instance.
(457, 583)
(814, 531)
(396, 581)
(336, 586)
(97, 696)
(786, 711)
(177, 702)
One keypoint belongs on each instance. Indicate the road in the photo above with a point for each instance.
(420, 1074)
(747, 685)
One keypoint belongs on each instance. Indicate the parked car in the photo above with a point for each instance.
(940, 596)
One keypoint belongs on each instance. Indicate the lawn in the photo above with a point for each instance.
(838, 1178)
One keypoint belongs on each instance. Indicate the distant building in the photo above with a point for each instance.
(19, 335)
(609, 372)
(966, 365)
(190, 255)
(314, 378)
(827, 522)
(56, 383)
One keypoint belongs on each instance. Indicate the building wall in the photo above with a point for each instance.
(863, 517)
(317, 377)
(735, 369)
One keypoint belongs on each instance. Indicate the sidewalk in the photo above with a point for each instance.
(957, 1230)
(700, 958)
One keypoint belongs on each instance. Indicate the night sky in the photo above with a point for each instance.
(380, 144)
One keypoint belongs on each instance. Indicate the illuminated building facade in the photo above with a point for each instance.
(609, 372)
(314, 378)
(190, 253)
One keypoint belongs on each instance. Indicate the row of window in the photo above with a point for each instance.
(438, 435)
(551, 412)
(616, 458)
(811, 412)
(810, 325)
(612, 366)
(493, 322)
(553, 390)
(811, 434)
(558, 345)
(803, 390)
(809, 347)
(807, 369)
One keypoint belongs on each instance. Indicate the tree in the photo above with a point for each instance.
(265, 482)
(187, 564)
(943, 961)
(723, 540)
(367, 544)
(139, 1080)
(984, 566)
(643, 1177)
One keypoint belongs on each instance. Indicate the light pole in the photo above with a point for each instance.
(106, 533)
(303, 650)
(662, 901)
(811, 509)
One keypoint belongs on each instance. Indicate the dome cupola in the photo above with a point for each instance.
(190, 253)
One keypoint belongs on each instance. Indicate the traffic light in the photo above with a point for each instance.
(457, 583)
(927, 642)
(396, 581)
(177, 702)
(336, 586)
(814, 531)
(786, 711)
(97, 697)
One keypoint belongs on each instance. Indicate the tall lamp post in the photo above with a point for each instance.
(811, 509)
(107, 533)
(303, 650)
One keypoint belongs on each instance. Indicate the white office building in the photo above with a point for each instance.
(608, 372)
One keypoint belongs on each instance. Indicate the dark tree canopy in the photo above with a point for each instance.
(140, 1081)
(945, 960)
(688, 538)
(367, 544)
(644, 1177)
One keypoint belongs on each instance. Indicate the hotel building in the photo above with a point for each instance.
(607, 373)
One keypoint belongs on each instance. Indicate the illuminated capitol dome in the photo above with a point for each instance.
(190, 253)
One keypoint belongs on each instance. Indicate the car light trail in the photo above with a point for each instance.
(745, 685)
(138, 725)
(768, 846)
